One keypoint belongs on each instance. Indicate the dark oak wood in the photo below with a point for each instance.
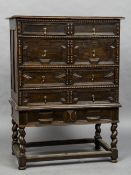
(64, 17)
(64, 70)
(63, 156)
(114, 142)
(59, 142)
(103, 144)
(22, 142)
(97, 136)
(14, 134)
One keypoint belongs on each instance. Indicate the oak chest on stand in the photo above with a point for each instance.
(64, 70)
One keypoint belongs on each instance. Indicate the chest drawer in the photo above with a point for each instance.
(59, 97)
(81, 116)
(44, 28)
(41, 78)
(94, 76)
(90, 51)
(61, 28)
(63, 77)
(40, 51)
(96, 28)
(95, 51)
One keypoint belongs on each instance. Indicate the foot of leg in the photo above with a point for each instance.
(22, 163)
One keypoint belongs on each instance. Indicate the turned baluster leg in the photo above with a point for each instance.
(114, 142)
(22, 142)
(14, 134)
(97, 136)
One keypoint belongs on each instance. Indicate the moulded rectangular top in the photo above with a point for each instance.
(65, 17)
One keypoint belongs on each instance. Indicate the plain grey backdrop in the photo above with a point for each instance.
(8, 163)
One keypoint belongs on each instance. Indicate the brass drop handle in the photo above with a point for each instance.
(45, 99)
(94, 30)
(92, 77)
(43, 78)
(44, 53)
(93, 98)
(45, 30)
(93, 52)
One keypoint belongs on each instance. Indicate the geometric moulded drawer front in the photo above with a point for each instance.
(57, 29)
(89, 51)
(44, 29)
(69, 96)
(57, 117)
(96, 29)
(64, 77)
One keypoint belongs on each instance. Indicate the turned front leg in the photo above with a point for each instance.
(14, 134)
(114, 142)
(97, 136)
(22, 143)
